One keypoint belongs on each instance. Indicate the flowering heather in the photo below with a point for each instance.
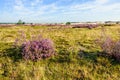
(111, 48)
(90, 26)
(116, 51)
(37, 49)
(108, 45)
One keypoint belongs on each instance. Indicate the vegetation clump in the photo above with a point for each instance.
(89, 26)
(36, 49)
(111, 48)
(116, 51)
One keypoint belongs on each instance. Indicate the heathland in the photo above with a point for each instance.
(77, 54)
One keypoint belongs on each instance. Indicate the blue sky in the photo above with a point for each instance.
(49, 11)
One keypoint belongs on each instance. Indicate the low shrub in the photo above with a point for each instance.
(36, 49)
(111, 48)
(108, 45)
(116, 51)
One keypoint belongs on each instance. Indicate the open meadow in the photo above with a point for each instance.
(76, 54)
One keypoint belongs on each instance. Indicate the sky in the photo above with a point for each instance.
(55, 11)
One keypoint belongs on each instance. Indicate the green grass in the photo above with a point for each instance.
(67, 64)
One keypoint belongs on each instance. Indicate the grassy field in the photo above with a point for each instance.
(69, 63)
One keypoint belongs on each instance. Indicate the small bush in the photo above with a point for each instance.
(108, 45)
(111, 48)
(116, 51)
(35, 49)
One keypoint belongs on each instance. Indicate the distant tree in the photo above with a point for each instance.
(23, 22)
(20, 22)
(68, 23)
(32, 25)
(117, 22)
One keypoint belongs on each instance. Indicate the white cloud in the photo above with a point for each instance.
(35, 2)
(18, 5)
(101, 1)
(97, 5)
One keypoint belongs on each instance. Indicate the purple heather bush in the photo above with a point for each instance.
(116, 51)
(111, 48)
(38, 49)
(108, 45)
(35, 49)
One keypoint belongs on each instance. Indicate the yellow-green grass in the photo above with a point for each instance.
(66, 64)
